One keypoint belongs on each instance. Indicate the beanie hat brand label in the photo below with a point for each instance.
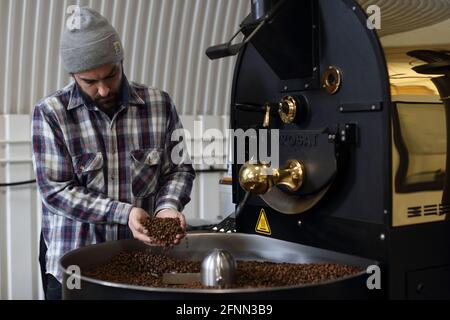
(118, 48)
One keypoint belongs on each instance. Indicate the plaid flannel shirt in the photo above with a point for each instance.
(91, 169)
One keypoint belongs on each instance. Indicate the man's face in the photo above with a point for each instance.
(102, 85)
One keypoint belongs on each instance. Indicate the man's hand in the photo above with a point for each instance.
(137, 215)
(171, 213)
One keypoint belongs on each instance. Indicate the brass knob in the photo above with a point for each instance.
(288, 109)
(260, 178)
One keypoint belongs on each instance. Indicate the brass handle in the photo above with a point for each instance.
(260, 178)
(267, 116)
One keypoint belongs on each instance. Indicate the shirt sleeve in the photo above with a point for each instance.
(57, 184)
(177, 173)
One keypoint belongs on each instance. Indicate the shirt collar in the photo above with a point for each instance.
(129, 96)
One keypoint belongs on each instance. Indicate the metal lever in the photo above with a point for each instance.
(228, 49)
(223, 50)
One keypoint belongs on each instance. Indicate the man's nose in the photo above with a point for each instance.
(103, 90)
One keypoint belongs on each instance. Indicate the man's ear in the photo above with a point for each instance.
(74, 79)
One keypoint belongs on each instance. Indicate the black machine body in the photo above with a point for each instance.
(319, 78)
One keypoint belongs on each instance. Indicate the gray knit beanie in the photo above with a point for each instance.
(89, 41)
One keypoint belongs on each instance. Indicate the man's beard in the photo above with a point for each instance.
(109, 102)
(105, 103)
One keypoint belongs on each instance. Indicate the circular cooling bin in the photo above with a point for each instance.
(405, 15)
(241, 246)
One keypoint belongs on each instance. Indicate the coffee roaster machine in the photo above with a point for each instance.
(337, 158)
(362, 153)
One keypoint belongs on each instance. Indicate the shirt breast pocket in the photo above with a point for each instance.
(89, 170)
(145, 168)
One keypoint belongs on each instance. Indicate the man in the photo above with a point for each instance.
(102, 151)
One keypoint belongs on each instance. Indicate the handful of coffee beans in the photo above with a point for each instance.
(163, 230)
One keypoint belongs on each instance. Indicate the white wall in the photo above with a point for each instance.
(19, 213)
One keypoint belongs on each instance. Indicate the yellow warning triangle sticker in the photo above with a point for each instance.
(262, 226)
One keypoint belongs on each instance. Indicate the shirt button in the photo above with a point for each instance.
(112, 178)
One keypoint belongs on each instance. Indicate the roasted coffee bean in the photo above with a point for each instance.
(163, 230)
(146, 269)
